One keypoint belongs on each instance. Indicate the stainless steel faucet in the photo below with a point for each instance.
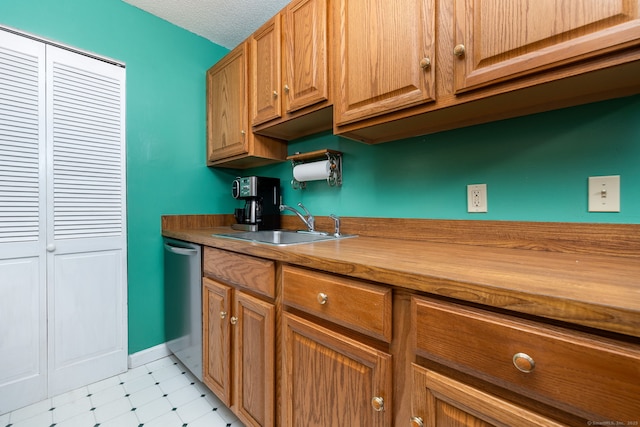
(309, 220)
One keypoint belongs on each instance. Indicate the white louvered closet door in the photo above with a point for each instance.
(63, 320)
(23, 321)
(86, 221)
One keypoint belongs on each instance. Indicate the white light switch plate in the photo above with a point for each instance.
(604, 193)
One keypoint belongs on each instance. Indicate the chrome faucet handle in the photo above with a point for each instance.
(310, 220)
(336, 220)
(304, 209)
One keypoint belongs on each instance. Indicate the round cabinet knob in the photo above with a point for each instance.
(416, 422)
(223, 314)
(275, 94)
(377, 403)
(243, 133)
(523, 362)
(459, 50)
(425, 63)
(286, 88)
(51, 247)
(322, 298)
(233, 320)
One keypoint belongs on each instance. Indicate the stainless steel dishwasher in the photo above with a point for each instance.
(183, 302)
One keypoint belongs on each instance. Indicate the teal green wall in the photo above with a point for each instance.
(166, 170)
(535, 167)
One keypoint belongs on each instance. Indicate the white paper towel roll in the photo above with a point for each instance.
(312, 171)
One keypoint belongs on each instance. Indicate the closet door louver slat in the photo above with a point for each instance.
(87, 154)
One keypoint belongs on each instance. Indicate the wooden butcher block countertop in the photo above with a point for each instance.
(590, 289)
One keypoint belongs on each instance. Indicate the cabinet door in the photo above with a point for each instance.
(265, 72)
(227, 110)
(332, 380)
(438, 400)
(505, 39)
(254, 324)
(86, 220)
(305, 65)
(381, 45)
(23, 290)
(216, 340)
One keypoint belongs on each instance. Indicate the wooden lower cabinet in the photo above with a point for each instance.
(216, 305)
(332, 380)
(438, 400)
(446, 364)
(239, 331)
(572, 376)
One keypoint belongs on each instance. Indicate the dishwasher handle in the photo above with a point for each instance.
(180, 251)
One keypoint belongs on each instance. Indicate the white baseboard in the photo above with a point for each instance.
(148, 355)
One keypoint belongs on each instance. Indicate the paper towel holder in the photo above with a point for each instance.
(335, 158)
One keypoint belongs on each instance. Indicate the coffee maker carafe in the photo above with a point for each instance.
(261, 197)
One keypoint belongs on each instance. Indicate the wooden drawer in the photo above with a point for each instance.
(357, 305)
(589, 376)
(245, 271)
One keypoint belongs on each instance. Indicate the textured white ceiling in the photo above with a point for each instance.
(225, 22)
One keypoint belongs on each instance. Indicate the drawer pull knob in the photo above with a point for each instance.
(223, 314)
(523, 362)
(378, 403)
(233, 320)
(416, 422)
(459, 50)
(322, 298)
(425, 63)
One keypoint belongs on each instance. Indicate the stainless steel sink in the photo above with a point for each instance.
(282, 237)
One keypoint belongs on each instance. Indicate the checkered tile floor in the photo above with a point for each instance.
(160, 394)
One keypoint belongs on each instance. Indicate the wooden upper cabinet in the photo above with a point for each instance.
(304, 54)
(384, 50)
(230, 140)
(498, 40)
(289, 72)
(227, 106)
(265, 72)
(387, 75)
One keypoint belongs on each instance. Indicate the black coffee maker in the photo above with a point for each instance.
(261, 209)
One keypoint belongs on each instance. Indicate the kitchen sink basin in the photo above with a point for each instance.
(283, 237)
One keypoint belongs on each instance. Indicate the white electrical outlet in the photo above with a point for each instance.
(477, 198)
(604, 193)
